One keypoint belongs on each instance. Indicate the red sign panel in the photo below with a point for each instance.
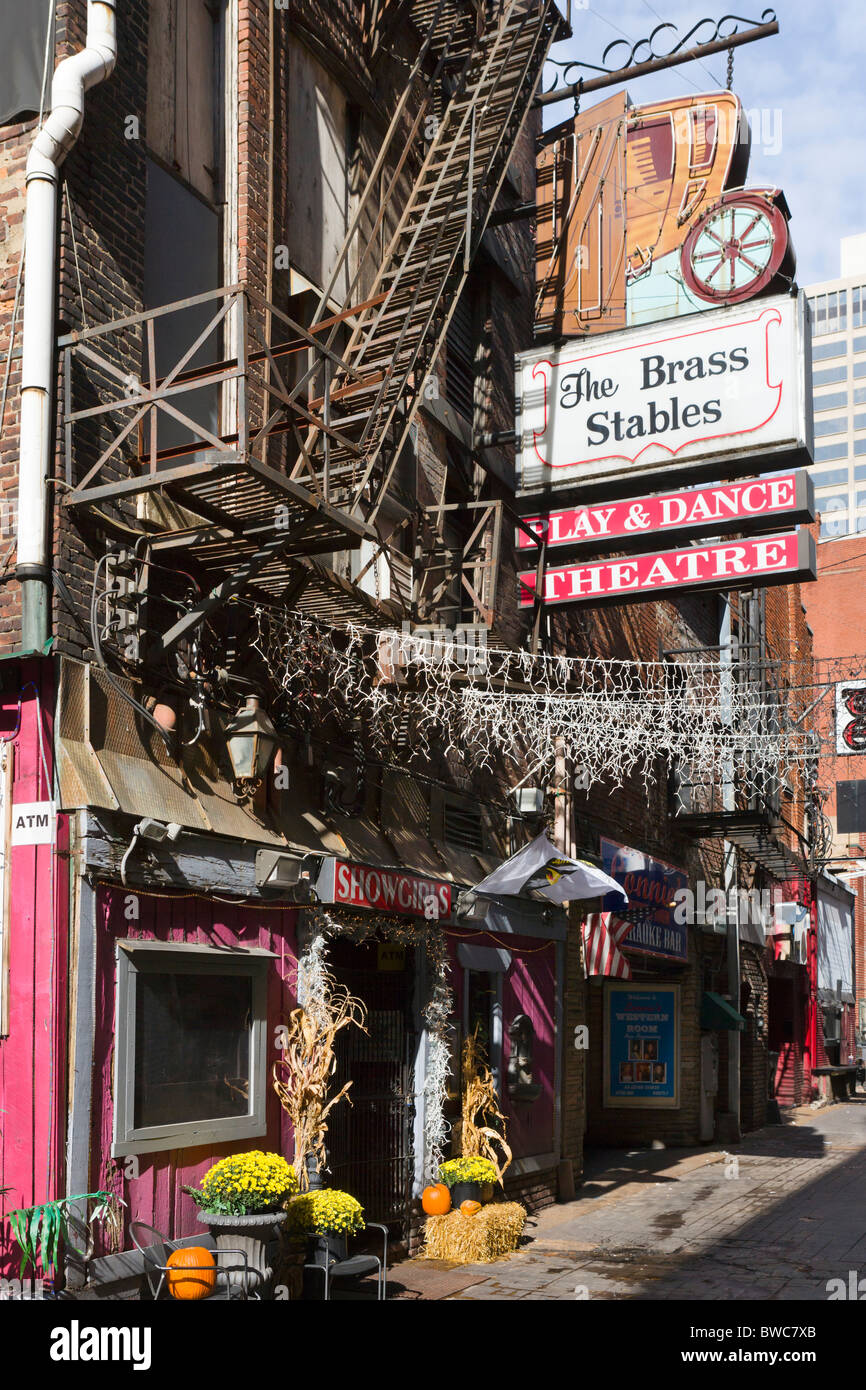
(382, 890)
(740, 564)
(709, 510)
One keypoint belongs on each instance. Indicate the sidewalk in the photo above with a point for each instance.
(776, 1218)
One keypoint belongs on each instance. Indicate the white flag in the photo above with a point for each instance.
(541, 866)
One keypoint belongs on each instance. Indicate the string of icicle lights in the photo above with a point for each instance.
(612, 719)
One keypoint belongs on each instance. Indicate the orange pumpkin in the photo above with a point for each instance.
(470, 1208)
(436, 1199)
(186, 1277)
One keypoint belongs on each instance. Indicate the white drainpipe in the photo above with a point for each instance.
(72, 78)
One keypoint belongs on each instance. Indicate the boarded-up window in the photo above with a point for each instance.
(23, 27)
(320, 136)
(181, 259)
(851, 807)
(182, 105)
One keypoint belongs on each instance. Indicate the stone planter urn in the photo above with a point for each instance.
(257, 1235)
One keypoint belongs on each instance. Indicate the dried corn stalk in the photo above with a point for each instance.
(478, 1136)
(308, 1062)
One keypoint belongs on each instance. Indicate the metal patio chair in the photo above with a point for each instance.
(156, 1255)
(354, 1266)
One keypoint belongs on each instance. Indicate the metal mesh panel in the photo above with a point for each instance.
(370, 1141)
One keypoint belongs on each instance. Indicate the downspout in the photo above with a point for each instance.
(72, 78)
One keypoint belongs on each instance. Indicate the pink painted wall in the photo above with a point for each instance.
(155, 1195)
(529, 988)
(33, 1054)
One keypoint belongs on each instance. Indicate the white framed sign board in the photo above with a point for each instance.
(719, 394)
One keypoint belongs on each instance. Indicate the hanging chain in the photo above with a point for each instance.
(730, 69)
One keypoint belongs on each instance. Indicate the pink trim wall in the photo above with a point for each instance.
(156, 1195)
(528, 987)
(33, 1054)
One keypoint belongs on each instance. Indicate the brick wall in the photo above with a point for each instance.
(753, 1039)
(641, 1126)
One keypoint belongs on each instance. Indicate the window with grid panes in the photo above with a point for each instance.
(836, 400)
(829, 375)
(829, 312)
(831, 477)
(822, 351)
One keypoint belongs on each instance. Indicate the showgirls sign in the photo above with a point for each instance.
(724, 391)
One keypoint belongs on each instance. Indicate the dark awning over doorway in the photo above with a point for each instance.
(719, 1014)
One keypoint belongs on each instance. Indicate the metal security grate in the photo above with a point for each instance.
(370, 1152)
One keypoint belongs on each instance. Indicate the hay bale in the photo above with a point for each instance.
(492, 1232)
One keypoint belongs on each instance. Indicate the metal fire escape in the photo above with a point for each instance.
(296, 458)
(755, 812)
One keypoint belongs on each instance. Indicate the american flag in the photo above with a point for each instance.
(603, 934)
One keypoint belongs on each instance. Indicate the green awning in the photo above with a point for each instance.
(718, 1013)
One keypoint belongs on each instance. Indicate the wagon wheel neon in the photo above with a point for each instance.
(736, 249)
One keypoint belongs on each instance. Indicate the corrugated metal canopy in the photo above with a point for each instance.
(110, 759)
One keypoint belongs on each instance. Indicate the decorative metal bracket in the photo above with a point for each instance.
(643, 57)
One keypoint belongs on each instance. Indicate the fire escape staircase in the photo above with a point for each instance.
(313, 417)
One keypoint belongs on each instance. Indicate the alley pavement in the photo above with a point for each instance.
(778, 1217)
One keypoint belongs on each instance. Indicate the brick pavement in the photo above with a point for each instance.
(776, 1218)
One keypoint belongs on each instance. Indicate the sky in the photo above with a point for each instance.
(804, 89)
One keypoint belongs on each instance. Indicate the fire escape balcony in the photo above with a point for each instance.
(190, 416)
(258, 443)
(753, 802)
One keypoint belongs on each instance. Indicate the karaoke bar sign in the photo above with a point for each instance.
(725, 386)
(383, 890)
(785, 498)
(741, 564)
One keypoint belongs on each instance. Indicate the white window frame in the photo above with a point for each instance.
(137, 957)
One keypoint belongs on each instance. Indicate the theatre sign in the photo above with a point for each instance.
(721, 394)
(753, 563)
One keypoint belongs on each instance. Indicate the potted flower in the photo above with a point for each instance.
(468, 1178)
(242, 1199)
(327, 1217)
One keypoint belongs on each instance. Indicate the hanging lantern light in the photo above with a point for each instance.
(251, 740)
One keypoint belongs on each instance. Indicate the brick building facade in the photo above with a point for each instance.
(171, 205)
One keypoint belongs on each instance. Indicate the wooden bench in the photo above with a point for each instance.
(121, 1276)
